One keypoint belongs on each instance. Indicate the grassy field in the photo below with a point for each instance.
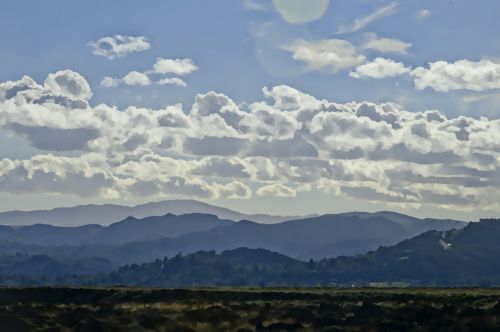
(315, 309)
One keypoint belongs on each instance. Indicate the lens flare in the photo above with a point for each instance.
(301, 11)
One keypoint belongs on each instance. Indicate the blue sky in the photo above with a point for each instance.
(45, 36)
(238, 48)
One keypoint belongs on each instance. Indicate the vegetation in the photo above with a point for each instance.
(245, 310)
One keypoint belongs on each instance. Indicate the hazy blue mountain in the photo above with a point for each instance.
(458, 257)
(109, 213)
(132, 229)
(467, 256)
(49, 235)
(319, 237)
(143, 240)
(128, 230)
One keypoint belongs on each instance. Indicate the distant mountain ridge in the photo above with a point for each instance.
(463, 257)
(141, 240)
(129, 229)
(109, 213)
(318, 237)
(466, 256)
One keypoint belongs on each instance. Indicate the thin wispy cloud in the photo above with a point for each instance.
(362, 22)
(255, 5)
(385, 45)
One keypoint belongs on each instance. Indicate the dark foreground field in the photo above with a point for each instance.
(117, 309)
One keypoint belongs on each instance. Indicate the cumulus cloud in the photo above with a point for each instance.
(443, 76)
(231, 167)
(276, 190)
(110, 82)
(162, 66)
(385, 45)
(380, 68)
(54, 174)
(290, 142)
(133, 78)
(235, 190)
(136, 78)
(69, 84)
(330, 54)
(118, 46)
(175, 66)
(172, 81)
(56, 139)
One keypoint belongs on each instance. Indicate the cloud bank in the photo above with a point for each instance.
(284, 145)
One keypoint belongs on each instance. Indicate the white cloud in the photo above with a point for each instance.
(380, 68)
(172, 81)
(291, 142)
(136, 78)
(235, 190)
(132, 78)
(109, 82)
(331, 54)
(162, 66)
(175, 66)
(119, 46)
(276, 190)
(443, 76)
(69, 84)
(40, 174)
(385, 45)
(361, 23)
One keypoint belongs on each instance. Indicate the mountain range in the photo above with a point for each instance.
(203, 249)
(135, 240)
(110, 213)
(458, 257)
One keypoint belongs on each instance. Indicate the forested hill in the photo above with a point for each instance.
(467, 256)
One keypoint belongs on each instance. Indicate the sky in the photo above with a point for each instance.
(287, 107)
